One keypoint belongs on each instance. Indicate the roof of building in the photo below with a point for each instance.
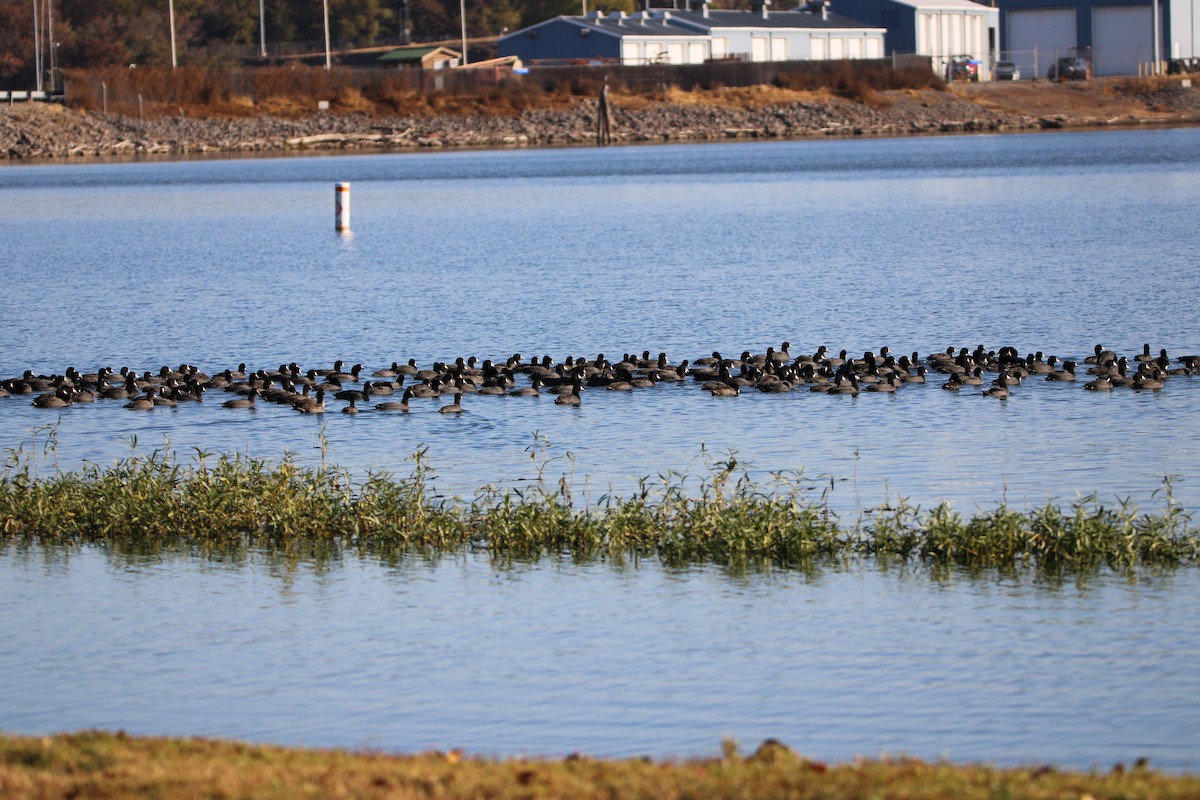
(965, 5)
(620, 24)
(773, 19)
(414, 53)
(491, 63)
(697, 23)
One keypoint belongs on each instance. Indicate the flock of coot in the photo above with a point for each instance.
(993, 373)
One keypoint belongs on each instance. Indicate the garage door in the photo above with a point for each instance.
(758, 48)
(1122, 36)
(1036, 35)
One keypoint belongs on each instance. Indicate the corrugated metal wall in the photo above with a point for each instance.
(1183, 29)
(898, 18)
(559, 39)
(1117, 31)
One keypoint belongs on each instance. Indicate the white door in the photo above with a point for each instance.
(631, 52)
(779, 48)
(696, 53)
(855, 45)
(720, 46)
(1050, 30)
(758, 48)
(837, 48)
(874, 48)
(1122, 37)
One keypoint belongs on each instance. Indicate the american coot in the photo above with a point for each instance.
(311, 405)
(241, 402)
(400, 405)
(572, 399)
(1000, 390)
(145, 403)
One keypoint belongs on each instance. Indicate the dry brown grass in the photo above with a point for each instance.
(295, 91)
(729, 96)
(1134, 86)
(115, 766)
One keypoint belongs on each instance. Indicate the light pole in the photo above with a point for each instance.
(328, 60)
(262, 30)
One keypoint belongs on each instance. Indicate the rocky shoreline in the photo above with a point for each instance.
(31, 131)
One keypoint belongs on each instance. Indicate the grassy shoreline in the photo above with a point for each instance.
(232, 503)
(114, 765)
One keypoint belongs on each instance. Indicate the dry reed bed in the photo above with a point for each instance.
(206, 91)
(101, 765)
(229, 503)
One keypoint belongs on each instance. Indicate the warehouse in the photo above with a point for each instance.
(1116, 35)
(664, 36)
(936, 28)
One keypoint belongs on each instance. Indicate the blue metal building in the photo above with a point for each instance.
(694, 36)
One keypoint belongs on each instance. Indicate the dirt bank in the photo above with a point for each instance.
(51, 131)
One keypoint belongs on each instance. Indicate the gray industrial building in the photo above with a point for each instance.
(668, 36)
(1116, 35)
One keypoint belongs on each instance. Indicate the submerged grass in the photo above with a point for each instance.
(94, 764)
(231, 503)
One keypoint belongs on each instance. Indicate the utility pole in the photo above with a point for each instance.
(402, 22)
(37, 48)
(462, 11)
(262, 29)
(171, 10)
(50, 44)
(1157, 37)
(328, 59)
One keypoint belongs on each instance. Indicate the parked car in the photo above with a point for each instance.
(962, 68)
(1183, 66)
(1006, 71)
(1070, 68)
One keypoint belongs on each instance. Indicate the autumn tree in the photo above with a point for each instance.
(16, 43)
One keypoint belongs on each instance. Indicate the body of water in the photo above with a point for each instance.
(550, 658)
(1051, 242)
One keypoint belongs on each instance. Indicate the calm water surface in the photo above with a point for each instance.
(550, 658)
(1047, 242)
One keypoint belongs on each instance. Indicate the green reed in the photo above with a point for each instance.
(231, 502)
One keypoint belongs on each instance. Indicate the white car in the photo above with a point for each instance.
(1006, 71)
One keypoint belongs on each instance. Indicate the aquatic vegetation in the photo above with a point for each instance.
(115, 765)
(231, 502)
